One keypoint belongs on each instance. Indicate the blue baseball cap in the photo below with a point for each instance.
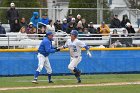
(49, 33)
(74, 32)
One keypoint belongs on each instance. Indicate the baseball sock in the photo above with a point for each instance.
(76, 71)
(36, 75)
(78, 78)
(49, 77)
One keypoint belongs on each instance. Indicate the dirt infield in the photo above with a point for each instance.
(70, 86)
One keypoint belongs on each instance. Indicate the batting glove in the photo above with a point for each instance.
(89, 54)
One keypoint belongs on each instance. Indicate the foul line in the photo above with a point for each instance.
(71, 86)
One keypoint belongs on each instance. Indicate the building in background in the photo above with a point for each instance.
(54, 12)
(122, 7)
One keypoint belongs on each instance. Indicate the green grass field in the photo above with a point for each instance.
(25, 81)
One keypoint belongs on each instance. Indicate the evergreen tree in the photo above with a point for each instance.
(27, 13)
(89, 15)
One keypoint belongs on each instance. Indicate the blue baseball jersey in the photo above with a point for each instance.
(46, 47)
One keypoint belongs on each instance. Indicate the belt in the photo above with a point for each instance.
(75, 56)
(42, 54)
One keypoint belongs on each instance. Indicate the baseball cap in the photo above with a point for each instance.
(64, 19)
(128, 24)
(78, 15)
(91, 23)
(12, 4)
(73, 19)
(30, 23)
(74, 32)
(49, 33)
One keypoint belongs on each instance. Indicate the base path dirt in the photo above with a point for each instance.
(71, 86)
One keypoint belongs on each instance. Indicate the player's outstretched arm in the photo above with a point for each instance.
(61, 48)
(64, 46)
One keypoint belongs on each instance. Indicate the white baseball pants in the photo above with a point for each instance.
(43, 62)
(74, 61)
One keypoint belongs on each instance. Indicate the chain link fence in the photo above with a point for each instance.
(90, 14)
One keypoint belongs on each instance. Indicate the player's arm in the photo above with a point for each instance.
(53, 47)
(82, 44)
(64, 46)
(49, 48)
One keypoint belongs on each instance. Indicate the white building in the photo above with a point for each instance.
(57, 13)
(121, 7)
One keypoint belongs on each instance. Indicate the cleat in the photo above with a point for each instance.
(35, 82)
(51, 82)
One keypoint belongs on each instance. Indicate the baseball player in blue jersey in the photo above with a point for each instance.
(44, 50)
(75, 46)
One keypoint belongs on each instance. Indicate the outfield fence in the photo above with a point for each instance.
(104, 60)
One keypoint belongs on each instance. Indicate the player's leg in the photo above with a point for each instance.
(73, 63)
(41, 60)
(49, 69)
(73, 67)
(78, 72)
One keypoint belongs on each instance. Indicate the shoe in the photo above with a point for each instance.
(51, 82)
(79, 81)
(35, 81)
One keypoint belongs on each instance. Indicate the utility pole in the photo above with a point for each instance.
(55, 10)
(99, 11)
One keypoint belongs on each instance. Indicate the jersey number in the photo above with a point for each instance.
(74, 49)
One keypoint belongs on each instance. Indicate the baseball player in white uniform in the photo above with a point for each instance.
(75, 46)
